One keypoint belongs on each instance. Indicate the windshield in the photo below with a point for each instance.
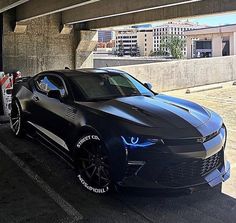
(107, 86)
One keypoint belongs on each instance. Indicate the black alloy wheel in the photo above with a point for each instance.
(92, 164)
(16, 121)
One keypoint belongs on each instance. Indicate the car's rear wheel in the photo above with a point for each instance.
(16, 121)
(92, 164)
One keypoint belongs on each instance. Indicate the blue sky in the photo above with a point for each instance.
(213, 20)
(223, 19)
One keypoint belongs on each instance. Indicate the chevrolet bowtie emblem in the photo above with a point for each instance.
(201, 140)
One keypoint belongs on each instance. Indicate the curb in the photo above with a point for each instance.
(194, 90)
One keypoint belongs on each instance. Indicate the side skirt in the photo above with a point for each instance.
(50, 141)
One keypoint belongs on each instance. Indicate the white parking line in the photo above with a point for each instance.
(68, 208)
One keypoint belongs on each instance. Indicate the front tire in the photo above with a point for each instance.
(16, 119)
(92, 164)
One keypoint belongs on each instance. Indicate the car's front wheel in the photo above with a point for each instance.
(16, 120)
(92, 164)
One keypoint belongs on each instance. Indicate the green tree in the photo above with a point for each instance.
(159, 53)
(175, 46)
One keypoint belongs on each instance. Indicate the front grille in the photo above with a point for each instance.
(190, 141)
(189, 172)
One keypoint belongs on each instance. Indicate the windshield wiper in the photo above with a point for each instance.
(101, 99)
(131, 95)
(147, 95)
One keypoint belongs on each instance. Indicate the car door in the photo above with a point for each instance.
(49, 113)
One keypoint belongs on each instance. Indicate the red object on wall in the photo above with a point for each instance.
(3, 80)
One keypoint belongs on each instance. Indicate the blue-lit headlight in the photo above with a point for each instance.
(137, 142)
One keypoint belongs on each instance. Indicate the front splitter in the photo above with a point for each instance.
(218, 175)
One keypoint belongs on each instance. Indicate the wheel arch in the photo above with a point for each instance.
(22, 106)
(117, 155)
(87, 129)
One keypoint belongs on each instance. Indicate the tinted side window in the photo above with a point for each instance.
(47, 83)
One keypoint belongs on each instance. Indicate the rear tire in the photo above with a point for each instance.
(16, 119)
(92, 164)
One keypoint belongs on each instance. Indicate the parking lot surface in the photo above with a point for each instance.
(37, 186)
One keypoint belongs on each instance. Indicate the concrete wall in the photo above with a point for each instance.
(41, 48)
(123, 61)
(185, 73)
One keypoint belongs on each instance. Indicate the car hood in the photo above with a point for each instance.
(160, 111)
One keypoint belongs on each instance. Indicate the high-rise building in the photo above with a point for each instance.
(126, 42)
(145, 41)
(163, 32)
(104, 36)
(134, 42)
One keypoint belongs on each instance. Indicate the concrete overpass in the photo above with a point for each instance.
(98, 13)
(46, 34)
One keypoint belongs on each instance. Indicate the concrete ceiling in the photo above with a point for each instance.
(112, 8)
(108, 13)
(194, 9)
(36, 8)
(9, 4)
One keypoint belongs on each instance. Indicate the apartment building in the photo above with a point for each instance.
(134, 42)
(104, 36)
(145, 41)
(162, 32)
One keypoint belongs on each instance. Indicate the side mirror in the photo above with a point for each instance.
(54, 94)
(148, 86)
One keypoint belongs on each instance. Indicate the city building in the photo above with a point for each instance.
(145, 41)
(126, 42)
(104, 36)
(110, 44)
(162, 32)
(211, 42)
(134, 42)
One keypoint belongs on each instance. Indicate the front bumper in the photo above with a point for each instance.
(218, 175)
(212, 179)
(179, 164)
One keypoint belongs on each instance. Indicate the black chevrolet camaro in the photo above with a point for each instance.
(116, 131)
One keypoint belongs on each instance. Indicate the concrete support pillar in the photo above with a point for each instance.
(189, 47)
(43, 46)
(66, 29)
(217, 45)
(20, 28)
(233, 44)
(84, 52)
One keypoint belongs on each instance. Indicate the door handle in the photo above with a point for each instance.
(35, 98)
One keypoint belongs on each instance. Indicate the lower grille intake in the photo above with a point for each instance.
(133, 168)
(189, 172)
